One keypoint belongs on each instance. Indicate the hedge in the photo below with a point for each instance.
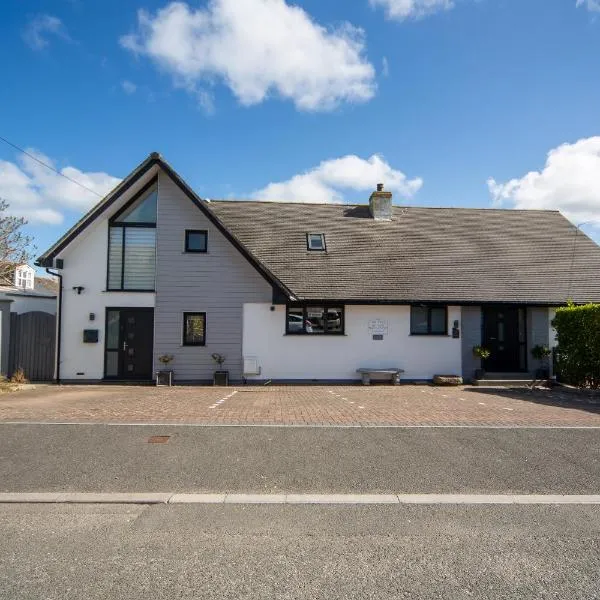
(578, 351)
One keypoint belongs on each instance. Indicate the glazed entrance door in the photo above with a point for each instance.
(129, 343)
(504, 337)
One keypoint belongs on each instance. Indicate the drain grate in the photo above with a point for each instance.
(159, 439)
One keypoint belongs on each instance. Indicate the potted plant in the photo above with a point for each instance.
(165, 376)
(481, 353)
(542, 354)
(220, 376)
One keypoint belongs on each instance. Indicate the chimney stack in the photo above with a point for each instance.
(380, 204)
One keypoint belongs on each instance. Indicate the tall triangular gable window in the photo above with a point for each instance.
(132, 243)
(142, 211)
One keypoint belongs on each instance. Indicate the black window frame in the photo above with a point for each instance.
(113, 223)
(188, 233)
(429, 308)
(183, 337)
(323, 249)
(305, 307)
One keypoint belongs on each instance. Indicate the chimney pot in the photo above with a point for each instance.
(380, 204)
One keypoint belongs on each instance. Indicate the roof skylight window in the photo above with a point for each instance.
(316, 241)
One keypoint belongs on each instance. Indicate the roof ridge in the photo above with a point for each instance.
(399, 206)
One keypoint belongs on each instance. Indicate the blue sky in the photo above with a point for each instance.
(450, 103)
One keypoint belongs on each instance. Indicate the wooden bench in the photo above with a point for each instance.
(393, 374)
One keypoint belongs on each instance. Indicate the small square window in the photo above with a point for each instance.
(315, 241)
(196, 240)
(194, 329)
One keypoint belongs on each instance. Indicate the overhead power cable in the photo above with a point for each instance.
(41, 162)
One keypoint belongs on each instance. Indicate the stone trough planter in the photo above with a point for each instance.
(447, 380)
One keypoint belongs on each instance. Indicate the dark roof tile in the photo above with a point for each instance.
(423, 254)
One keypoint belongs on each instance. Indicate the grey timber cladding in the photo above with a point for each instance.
(423, 254)
(471, 324)
(217, 282)
(538, 333)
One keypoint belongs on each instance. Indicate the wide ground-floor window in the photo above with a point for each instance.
(315, 319)
(428, 320)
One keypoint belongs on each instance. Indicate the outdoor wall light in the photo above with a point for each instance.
(78, 289)
(455, 330)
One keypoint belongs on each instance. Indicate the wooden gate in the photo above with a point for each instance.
(32, 345)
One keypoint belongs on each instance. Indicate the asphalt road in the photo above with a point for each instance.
(104, 458)
(165, 552)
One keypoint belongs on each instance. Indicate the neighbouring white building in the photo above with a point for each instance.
(23, 294)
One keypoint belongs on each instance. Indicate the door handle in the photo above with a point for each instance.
(493, 339)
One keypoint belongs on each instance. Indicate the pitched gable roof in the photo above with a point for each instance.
(422, 255)
(154, 159)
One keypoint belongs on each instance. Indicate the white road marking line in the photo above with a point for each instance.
(504, 408)
(482, 404)
(361, 407)
(294, 425)
(219, 402)
(295, 498)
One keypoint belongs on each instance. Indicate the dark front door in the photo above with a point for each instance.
(504, 337)
(129, 343)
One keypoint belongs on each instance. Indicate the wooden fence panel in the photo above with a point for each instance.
(32, 345)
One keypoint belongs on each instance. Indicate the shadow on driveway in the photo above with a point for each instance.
(585, 400)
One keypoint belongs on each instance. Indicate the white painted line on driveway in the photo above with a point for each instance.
(346, 499)
(219, 402)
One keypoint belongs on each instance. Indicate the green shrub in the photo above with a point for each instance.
(540, 352)
(481, 352)
(19, 376)
(578, 352)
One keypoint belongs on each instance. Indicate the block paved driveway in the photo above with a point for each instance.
(406, 405)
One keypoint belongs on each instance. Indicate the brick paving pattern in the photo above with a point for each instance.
(408, 405)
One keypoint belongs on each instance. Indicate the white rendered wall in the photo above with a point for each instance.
(283, 356)
(85, 265)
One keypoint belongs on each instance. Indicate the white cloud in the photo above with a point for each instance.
(128, 87)
(40, 28)
(327, 182)
(593, 5)
(413, 9)
(40, 195)
(569, 182)
(257, 48)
